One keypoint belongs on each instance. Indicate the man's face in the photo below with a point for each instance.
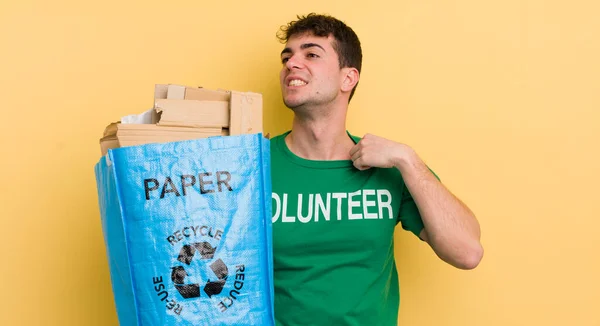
(311, 74)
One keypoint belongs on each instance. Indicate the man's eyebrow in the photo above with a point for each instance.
(310, 45)
(286, 50)
(303, 47)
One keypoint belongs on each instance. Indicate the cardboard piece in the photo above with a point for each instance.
(160, 91)
(192, 113)
(203, 94)
(246, 113)
(182, 113)
(122, 134)
(175, 92)
(180, 92)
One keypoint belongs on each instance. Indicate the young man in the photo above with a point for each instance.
(337, 198)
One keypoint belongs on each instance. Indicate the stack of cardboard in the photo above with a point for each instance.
(183, 113)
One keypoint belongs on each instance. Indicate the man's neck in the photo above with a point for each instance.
(321, 139)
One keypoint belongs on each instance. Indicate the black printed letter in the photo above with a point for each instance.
(202, 183)
(165, 190)
(185, 184)
(219, 181)
(148, 189)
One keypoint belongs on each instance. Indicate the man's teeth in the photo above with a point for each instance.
(296, 82)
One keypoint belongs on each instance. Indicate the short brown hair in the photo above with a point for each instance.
(346, 44)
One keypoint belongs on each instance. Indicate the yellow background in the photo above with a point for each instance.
(500, 98)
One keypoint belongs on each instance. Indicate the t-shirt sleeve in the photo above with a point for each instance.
(409, 216)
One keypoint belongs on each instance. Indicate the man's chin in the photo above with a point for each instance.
(291, 104)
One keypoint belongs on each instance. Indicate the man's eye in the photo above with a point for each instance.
(312, 55)
(284, 60)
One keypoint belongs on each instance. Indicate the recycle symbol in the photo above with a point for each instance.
(186, 255)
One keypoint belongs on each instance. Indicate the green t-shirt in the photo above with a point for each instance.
(333, 245)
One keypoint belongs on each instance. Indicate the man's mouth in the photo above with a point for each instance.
(296, 82)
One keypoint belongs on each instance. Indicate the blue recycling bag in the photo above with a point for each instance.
(187, 228)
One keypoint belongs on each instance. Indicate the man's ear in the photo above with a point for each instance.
(350, 78)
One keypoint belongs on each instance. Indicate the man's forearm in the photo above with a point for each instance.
(450, 226)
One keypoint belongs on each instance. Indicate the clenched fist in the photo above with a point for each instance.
(374, 151)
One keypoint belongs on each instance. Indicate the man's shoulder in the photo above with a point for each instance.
(276, 143)
(278, 138)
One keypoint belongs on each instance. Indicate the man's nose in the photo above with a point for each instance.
(293, 62)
